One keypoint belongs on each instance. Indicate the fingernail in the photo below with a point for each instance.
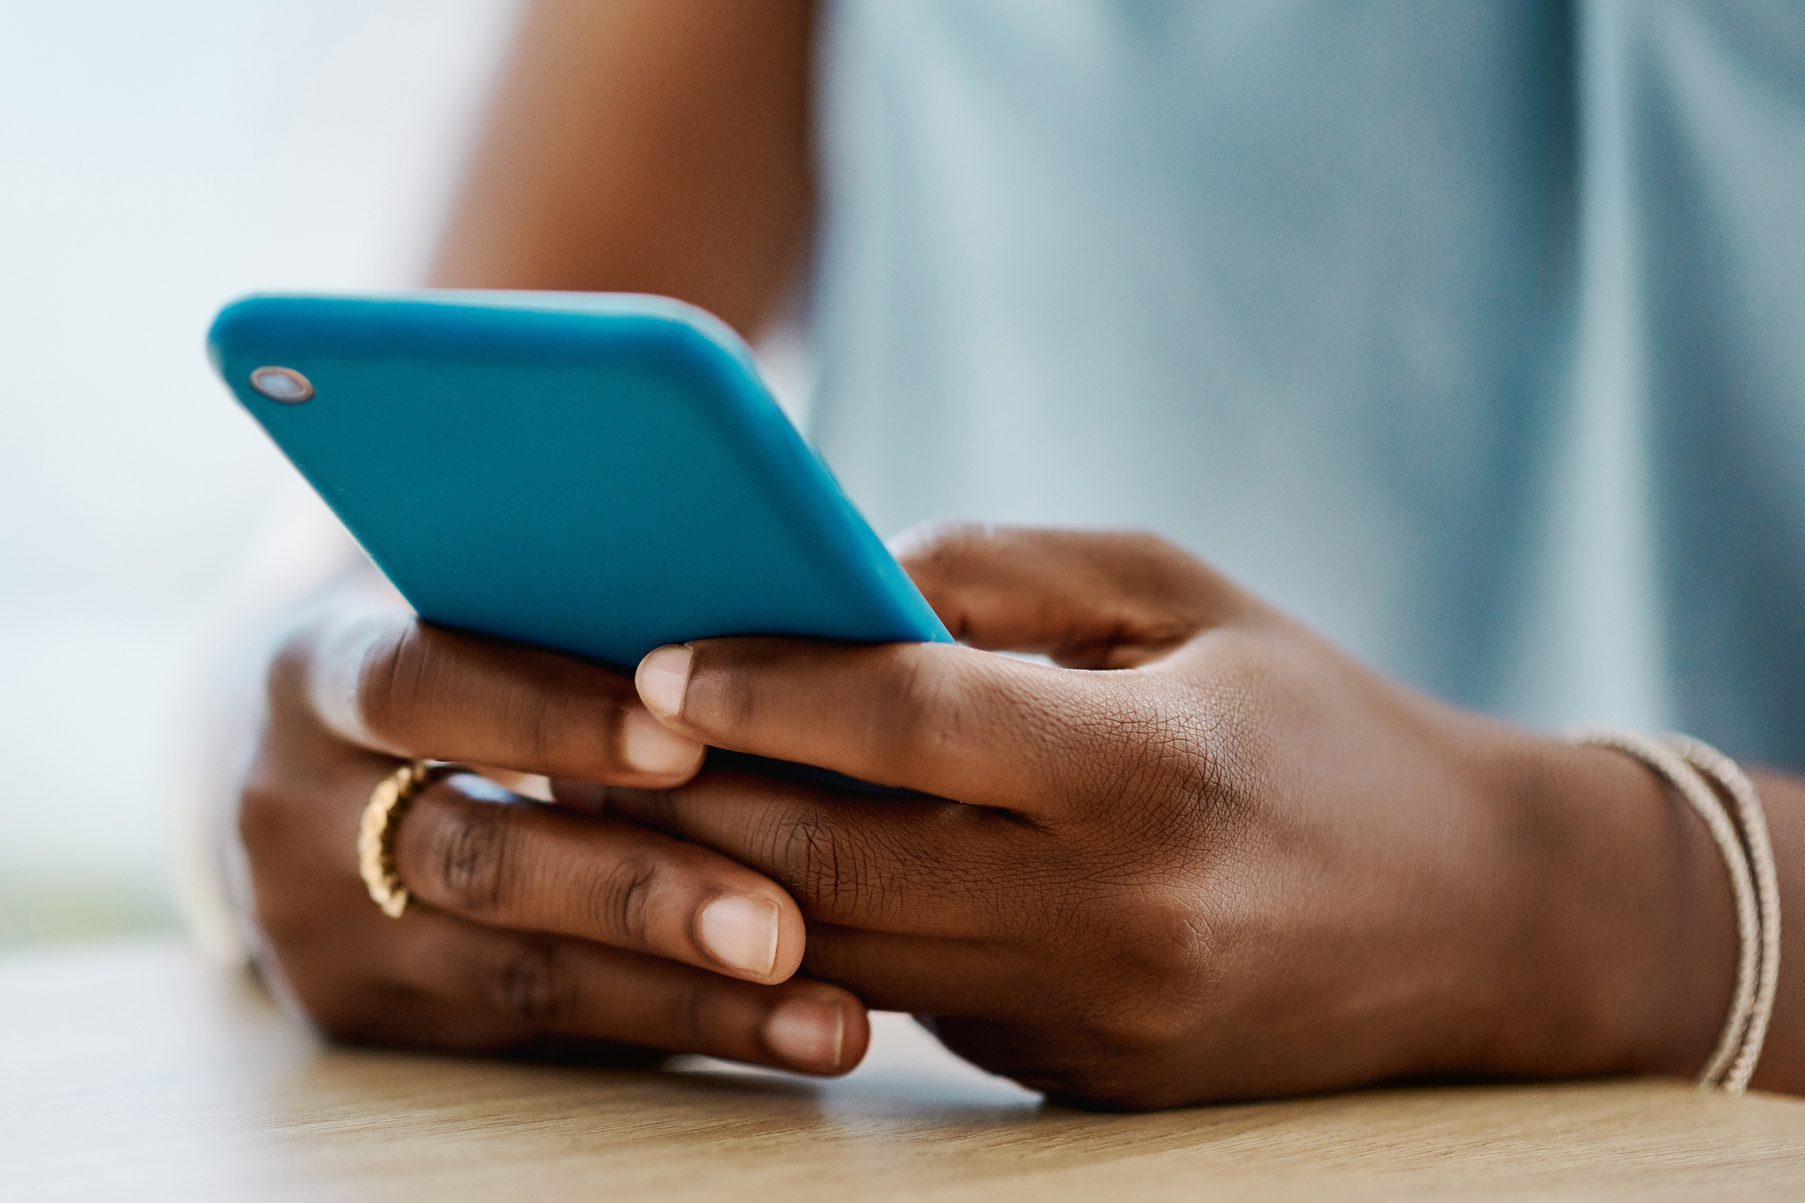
(651, 747)
(663, 677)
(807, 1033)
(741, 933)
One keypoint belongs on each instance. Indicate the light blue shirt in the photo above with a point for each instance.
(1473, 333)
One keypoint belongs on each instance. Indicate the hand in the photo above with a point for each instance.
(532, 927)
(1206, 856)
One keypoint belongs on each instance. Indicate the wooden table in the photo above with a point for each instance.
(136, 1071)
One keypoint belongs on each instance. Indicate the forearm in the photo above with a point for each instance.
(645, 146)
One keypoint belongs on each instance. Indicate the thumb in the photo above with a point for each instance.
(1086, 599)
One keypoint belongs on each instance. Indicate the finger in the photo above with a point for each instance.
(888, 864)
(506, 991)
(917, 974)
(1090, 599)
(938, 718)
(384, 680)
(470, 848)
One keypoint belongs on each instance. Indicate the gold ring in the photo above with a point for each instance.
(376, 831)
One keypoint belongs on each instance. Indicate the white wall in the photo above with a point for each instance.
(155, 160)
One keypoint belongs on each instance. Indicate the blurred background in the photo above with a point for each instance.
(156, 160)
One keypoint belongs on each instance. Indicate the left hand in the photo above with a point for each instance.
(1204, 855)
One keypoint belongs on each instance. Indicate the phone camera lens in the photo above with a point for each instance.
(282, 384)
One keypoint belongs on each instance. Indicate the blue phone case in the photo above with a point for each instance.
(593, 474)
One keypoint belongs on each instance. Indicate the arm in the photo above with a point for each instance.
(645, 146)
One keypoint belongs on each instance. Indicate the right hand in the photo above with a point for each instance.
(533, 926)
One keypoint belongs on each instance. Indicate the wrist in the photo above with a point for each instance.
(1621, 941)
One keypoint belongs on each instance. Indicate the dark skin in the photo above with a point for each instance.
(532, 928)
(1202, 855)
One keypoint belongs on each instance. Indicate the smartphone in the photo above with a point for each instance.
(594, 474)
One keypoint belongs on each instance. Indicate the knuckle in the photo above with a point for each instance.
(531, 722)
(393, 679)
(1149, 545)
(531, 985)
(623, 899)
(820, 867)
(472, 855)
(264, 822)
(1221, 756)
(921, 716)
(545, 721)
(1185, 762)
(1169, 567)
(724, 701)
(1160, 979)
(931, 548)
(1170, 937)
(1150, 1023)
